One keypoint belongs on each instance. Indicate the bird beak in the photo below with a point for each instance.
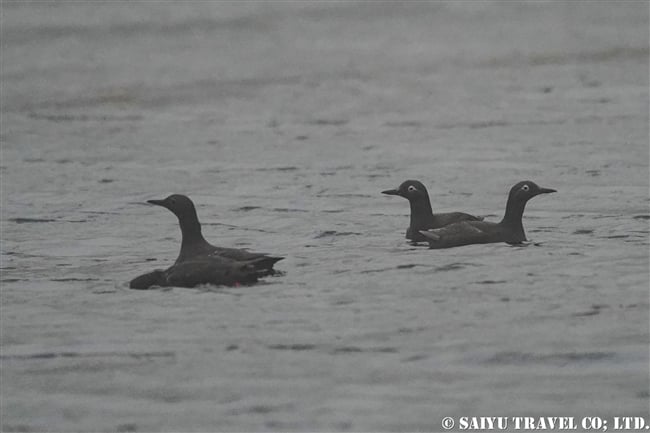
(157, 202)
(391, 192)
(546, 190)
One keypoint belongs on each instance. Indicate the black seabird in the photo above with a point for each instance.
(198, 261)
(510, 229)
(422, 217)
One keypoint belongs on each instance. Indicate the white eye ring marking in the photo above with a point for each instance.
(411, 188)
(525, 187)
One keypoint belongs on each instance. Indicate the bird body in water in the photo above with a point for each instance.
(510, 229)
(209, 270)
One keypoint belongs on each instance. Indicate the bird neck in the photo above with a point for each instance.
(512, 218)
(191, 230)
(421, 213)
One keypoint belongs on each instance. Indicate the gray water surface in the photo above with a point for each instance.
(283, 122)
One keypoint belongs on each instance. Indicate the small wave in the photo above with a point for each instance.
(347, 195)
(87, 117)
(586, 313)
(328, 122)
(454, 266)
(286, 209)
(404, 123)
(282, 168)
(356, 349)
(418, 357)
(331, 233)
(474, 125)
(261, 409)
(523, 358)
(247, 208)
(65, 280)
(31, 220)
(404, 266)
(294, 347)
(53, 355)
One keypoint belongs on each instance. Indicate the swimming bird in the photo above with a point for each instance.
(200, 262)
(422, 217)
(510, 229)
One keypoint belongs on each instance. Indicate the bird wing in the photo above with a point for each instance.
(150, 279)
(445, 219)
(211, 270)
(457, 234)
(259, 260)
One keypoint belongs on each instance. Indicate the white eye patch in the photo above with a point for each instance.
(525, 187)
(411, 188)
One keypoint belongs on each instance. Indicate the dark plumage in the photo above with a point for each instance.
(422, 216)
(209, 270)
(510, 229)
(198, 261)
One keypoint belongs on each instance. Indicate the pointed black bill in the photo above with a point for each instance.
(157, 202)
(546, 190)
(391, 192)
